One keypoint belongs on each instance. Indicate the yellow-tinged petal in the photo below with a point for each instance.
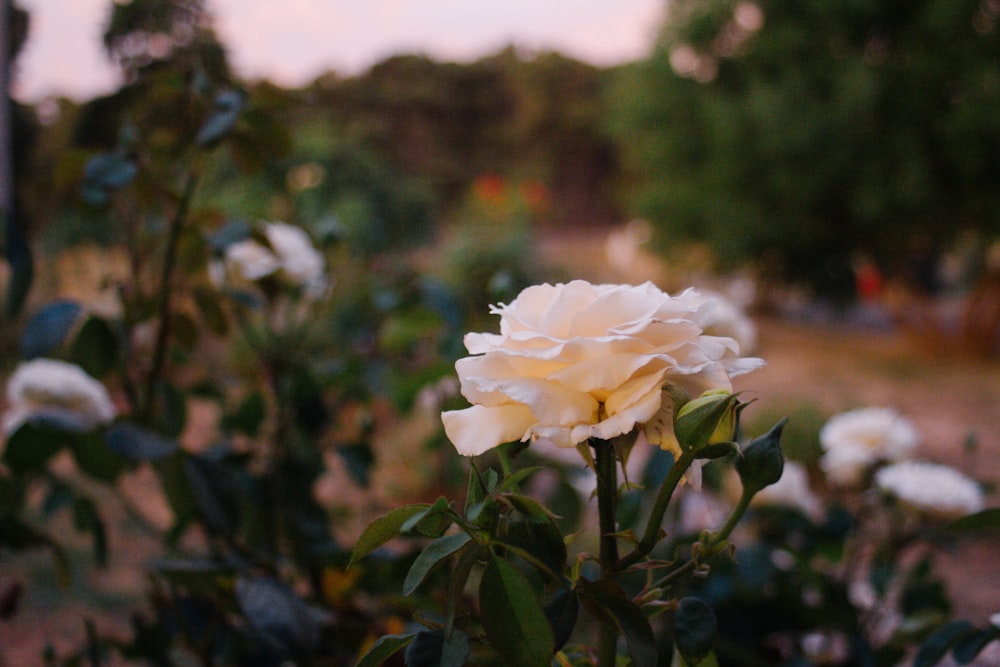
(478, 429)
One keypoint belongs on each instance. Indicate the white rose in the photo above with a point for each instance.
(299, 260)
(725, 318)
(792, 490)
(249, 260)
(932, 489)
(47, 387)
(856, 440)
(577, 361)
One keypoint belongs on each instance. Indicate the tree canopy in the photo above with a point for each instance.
(805, 130)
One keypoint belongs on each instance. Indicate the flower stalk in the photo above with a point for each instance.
(606, 469)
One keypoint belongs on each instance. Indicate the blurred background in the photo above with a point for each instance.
(831, 166)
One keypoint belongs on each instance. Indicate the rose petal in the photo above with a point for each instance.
(478, 429)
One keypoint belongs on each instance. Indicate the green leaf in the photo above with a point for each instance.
(95, 347)
(96, 459)
(511, 482)
(383, 529)
(476, 490)
(248, 416)
(612, 603)
(228, 105)
(431, 522)
(514, 621)
(384, 648)
(48, 328)
(529, 508)
(967, 648)
(138, 444)
(277, 615)
(708, 661)
(109, 171)
(433, 553)
(431, 648)
(30, 447)
(988, 519)
(695, 630)
(562, 612)
(935, 646)
(541, 541)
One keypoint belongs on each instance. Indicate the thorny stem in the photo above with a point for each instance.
(652, 533)
(607, 493)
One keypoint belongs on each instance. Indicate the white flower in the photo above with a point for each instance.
(577, 361)
(932, 489)
(51, 388)
(250, 260)
(792, 490)
(289, 253)
(856, 440)
(299, 260)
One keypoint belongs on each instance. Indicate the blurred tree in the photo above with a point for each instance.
(802, 131)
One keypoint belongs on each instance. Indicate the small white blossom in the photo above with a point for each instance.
(52, 388)
(856, 440)
(930, 488)
(250, 260)
(299, 260)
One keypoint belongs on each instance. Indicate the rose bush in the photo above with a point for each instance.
(49, 388)
(577, 361)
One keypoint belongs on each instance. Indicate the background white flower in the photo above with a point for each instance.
(854, 441)
(931, 488)
(577, 361)
(48, 387)
(289, 252)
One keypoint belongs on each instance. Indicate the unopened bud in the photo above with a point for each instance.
(762, 462)
(709, 419)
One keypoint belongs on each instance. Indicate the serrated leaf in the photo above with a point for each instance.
(695, 629)
(48, 328)
(384, 648)
(95, 347)
(514, 621)
(138, 444)
(431, 522)
(433, 553)
(383, 529)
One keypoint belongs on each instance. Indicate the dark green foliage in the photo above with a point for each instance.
(816, 129)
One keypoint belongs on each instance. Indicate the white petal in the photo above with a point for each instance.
(478, 429)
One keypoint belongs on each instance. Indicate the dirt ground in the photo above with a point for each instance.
(830, 367)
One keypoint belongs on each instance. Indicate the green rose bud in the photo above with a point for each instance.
(707, 420)
(762, 462)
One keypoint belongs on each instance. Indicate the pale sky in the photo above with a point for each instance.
(293, 41)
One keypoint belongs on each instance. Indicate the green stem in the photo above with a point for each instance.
(714, 545)
(652, 533)
(166, 280)
(607, 495)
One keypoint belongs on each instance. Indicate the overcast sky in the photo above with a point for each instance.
(292, 41)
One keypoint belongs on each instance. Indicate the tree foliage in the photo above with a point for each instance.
(807, 130)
